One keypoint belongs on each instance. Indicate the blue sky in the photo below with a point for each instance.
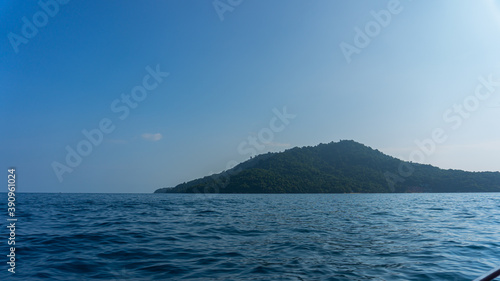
(229, 71)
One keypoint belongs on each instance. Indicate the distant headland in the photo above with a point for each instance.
(337, 167)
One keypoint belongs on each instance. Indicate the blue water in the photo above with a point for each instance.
(254, 237)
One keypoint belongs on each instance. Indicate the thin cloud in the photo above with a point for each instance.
(152, 137)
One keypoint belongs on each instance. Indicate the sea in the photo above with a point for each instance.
(252, 236)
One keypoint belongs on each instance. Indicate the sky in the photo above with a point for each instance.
(131, 96)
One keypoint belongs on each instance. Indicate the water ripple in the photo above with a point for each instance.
(256, 237)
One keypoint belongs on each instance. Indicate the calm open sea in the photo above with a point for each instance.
(253, 237)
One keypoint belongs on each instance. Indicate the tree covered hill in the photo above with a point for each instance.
(342, 167)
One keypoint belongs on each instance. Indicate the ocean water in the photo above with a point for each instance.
(253, 237)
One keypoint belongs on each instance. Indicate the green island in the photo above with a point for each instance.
(337, 167)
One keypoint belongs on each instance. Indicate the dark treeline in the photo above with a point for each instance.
(342, 167)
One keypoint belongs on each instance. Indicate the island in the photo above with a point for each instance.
(337, 167)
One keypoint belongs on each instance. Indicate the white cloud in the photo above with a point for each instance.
(152, 137)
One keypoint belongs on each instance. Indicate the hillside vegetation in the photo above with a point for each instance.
(342, 167)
